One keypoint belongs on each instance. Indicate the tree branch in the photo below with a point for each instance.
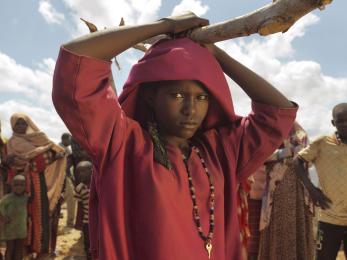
(278, 16)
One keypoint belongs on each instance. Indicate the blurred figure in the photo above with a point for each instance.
(329, 155)
(78, 155)
(84, 169)
(281, 216)
(13, 219)
(69, 181)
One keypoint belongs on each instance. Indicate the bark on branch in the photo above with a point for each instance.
(278, 16)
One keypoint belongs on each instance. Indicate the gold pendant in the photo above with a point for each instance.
(208, 247)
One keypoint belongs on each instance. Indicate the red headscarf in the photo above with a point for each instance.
(179, 59)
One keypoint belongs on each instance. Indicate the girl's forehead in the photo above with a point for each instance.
(186, 85)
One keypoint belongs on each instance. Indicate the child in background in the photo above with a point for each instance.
(13, 219)
(78, 155)
(69, 181)
(84, 170)
(329, 155)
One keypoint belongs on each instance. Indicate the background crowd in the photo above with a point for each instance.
(37, 176)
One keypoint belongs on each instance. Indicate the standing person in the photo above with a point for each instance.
(84, 169)
(69, 181)
(66, 143)
(78, 155)
(329, 156)
(43, 163)
(286, 219)
(169, 156)
(14, 217)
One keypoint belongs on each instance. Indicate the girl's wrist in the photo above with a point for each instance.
(168, 25)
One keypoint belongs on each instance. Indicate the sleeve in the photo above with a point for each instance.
(261, 132)
(84, 99)
(310, 153)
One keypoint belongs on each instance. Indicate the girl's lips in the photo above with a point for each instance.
(189, 125)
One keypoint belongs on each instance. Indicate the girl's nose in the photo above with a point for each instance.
(189, 106)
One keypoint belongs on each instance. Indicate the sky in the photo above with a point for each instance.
(307, 63)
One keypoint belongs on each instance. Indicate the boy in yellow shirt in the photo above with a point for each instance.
(329, 155)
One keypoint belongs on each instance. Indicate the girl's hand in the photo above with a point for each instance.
(184, 22)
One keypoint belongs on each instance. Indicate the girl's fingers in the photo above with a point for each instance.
(203, 22)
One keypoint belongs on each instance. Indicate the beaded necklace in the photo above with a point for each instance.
(206, 238)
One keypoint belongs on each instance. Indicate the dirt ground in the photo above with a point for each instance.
(70, 242)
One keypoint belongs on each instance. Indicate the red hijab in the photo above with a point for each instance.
(179, 59)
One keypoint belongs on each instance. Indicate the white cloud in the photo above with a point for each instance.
(302, 81)
(190, 5)
(30, 92)
(31, 84)
(49, 13)
(107, 13)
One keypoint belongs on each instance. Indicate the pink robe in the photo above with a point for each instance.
(140, 210)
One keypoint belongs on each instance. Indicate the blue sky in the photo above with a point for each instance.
(308, 63)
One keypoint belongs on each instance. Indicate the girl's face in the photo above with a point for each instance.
(180, 107)
(20, 126)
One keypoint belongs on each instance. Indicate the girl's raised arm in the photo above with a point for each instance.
(108, 43)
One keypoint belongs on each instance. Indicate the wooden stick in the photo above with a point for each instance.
(278, 16)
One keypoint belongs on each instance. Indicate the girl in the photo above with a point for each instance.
(170, 152)
(43, 163)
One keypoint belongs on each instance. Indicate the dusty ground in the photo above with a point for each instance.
(70, 242)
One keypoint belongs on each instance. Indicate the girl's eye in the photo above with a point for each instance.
(177, 95)
(203, 97)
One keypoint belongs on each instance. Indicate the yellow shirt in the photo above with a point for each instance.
(329, 156)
